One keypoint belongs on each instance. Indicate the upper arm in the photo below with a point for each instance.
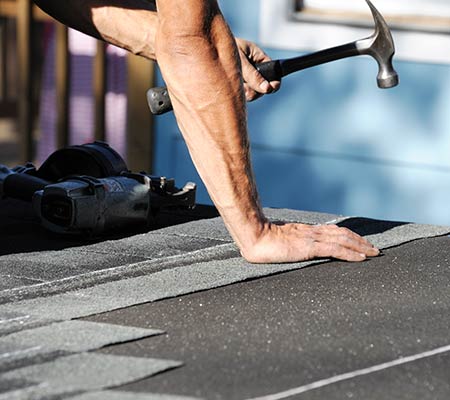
(81, 15)
(73, 13)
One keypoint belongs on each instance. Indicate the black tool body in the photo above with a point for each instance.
(20, 183)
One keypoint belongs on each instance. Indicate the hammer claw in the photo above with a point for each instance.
(381, 47)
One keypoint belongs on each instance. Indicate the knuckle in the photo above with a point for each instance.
(335, 249)
(315, 249)
(324, 249)
(257, 78)
(316, 235)
(346, 240)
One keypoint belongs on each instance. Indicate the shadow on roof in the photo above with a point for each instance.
(368, 226)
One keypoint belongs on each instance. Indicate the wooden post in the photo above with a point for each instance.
(3, 71)
(99, 81)
(139, 119)
(25, 73)
(62, 85)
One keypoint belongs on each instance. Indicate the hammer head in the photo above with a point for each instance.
(381, 47)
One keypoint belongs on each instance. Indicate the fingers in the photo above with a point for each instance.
(251, 94)
(255, 84)
(299, 242)
(334, 250)
(253, 91)
(351, 239)
(343, 244)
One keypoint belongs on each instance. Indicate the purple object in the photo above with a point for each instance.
(81, 120)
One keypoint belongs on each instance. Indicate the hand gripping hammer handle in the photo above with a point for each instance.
(158, 97)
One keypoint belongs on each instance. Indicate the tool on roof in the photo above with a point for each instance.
(380, 45)
(96, 159)
(88, 190)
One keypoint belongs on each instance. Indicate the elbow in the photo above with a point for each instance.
(192, 35)
(185, 46)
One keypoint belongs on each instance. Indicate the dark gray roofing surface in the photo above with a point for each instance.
(346, 317)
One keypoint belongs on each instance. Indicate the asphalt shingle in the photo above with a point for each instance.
(189, 278)
(9, 282)
(120, 395)
(11, 385)
(153, 245)
(61, 265)
(214, 228)
(54, 265)
(65, 337)
(82, 372)
(13, 321)
(305, 217)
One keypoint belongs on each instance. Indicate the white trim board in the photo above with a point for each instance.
(439, 8)
(279, 30)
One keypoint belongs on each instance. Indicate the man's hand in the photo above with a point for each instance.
(298, 242)
(255, 85)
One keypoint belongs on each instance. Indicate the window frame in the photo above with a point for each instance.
(283, 27)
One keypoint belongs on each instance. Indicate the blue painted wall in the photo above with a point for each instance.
(331, 141)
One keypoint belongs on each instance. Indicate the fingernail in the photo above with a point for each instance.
(265, 86)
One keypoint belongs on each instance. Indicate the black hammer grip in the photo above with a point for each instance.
(159, 101)
(270, 70)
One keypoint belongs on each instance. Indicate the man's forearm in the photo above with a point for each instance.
(129, 24)
(200, 64)
(203, 72)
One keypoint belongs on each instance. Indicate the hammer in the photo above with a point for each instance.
(379, 45)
